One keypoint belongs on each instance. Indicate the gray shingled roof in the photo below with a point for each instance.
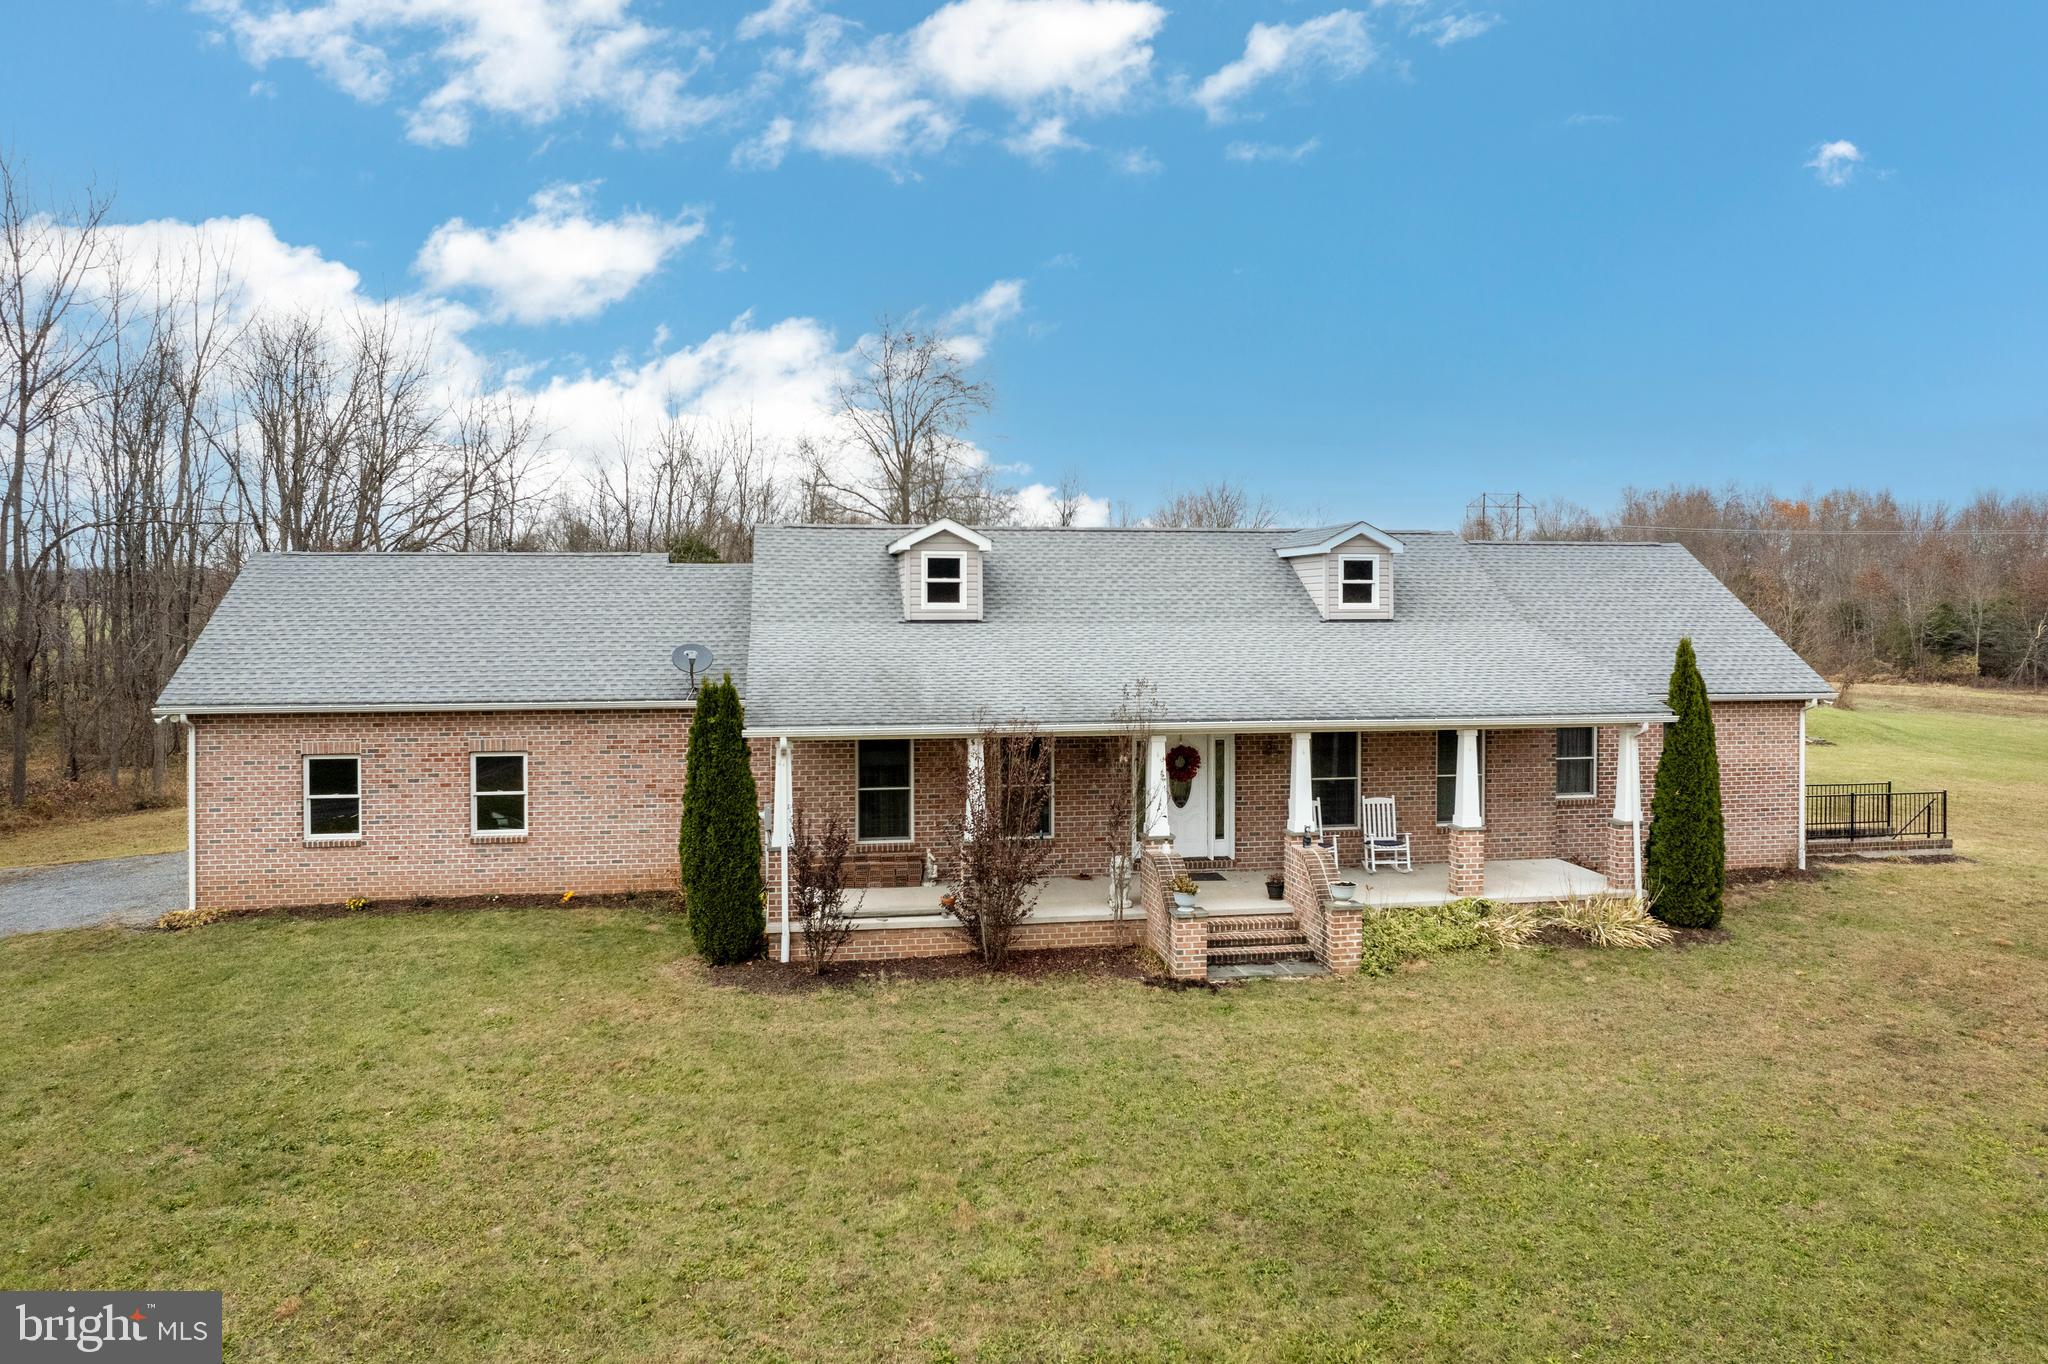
(383, 631)
(1224, 629)
(814, 634)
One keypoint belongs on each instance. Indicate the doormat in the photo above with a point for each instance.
(1205, 876)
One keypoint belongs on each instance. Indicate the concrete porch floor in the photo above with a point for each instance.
(1072, 897)
(1512, 880)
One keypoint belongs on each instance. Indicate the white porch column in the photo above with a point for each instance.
(1301, 801)
(1156, 823)
(977, 785)
(1465, 812)
(783, 834)
(1628, 779)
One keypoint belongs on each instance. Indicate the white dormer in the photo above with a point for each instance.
(1348, 571)
(941, 570)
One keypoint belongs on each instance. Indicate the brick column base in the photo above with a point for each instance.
(1180, 939)
(1468, 862)
(1620, 867)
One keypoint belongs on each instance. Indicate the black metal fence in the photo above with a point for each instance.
(1873, 809)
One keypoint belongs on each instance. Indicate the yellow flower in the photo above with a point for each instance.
(567, 896)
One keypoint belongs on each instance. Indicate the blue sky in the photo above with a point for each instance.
(1369, 261)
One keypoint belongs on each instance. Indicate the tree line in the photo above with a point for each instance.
(1861, 583)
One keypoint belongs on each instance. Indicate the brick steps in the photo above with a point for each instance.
(1263, 938)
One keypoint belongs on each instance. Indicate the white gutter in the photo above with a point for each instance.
(1807, 696)
(405, 707)
(1107, 726)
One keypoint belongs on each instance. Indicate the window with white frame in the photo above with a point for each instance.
(1333, 778)
(944, 580)
(1358, 581)
(882, 790)
(1575, 762)
(1447, 775)
(333, 796)
(497, 793)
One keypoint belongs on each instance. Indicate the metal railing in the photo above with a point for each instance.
(1874, 809)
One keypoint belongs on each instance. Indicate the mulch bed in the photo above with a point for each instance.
(424, 904)
(769, 977)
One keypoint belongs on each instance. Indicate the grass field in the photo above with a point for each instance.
(78, 821)
(550, 1135)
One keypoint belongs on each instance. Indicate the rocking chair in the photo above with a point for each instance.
(1382, 842)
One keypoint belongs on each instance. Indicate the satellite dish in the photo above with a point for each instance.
(692, 660)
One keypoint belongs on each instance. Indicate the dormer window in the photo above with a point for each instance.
(943, 569)
(1358, 580)
(944, 581)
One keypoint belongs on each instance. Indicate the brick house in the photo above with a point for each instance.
(391, 726)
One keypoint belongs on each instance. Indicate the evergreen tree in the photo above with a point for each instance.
(719, 847)
(1686, 866)
(692, 548)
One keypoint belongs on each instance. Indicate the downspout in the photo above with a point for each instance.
(782, 830)
(1636, 840)
(1801, 796)
(191, 807)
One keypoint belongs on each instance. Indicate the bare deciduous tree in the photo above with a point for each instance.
(817, 888)
(1221, 505)
(997, 854)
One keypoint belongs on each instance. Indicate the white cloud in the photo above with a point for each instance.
(530, 60)
(1456, 28)
(1271, 151)
(1035, 507)
(557, 262)
(1336, 43)
(1834, 163)
(973, 324)
(1042, 139)
(1020, 51)
(892, 96)
(1590, 120)
(1137, 161)
(779, 16)
(765, 150)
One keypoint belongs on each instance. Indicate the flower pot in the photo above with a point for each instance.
(1276, 890)
(1343, 890)
(1184, 899)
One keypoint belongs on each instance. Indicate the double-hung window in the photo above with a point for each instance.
(1447, 774)
(882, 790)
(944, 581)
(1358, 580)
(1333, 777)
(334, 797)
(497, 793)
(1575, 762)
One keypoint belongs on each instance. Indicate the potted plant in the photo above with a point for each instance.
(1344, 891)
(1185, 890)
(1276, 887)
(1183, 761)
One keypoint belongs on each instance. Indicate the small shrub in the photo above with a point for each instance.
(1393, 936)
(1514, 925)
(355, 902)
(1184, 884)
(999, 862)
(1613, 921)
(817, 888)
(175, 920)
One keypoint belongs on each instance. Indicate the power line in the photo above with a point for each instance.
(1789, 530)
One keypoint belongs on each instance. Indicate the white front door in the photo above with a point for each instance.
(1201, 813)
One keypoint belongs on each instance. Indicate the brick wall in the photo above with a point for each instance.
(1758, 744)
(604, 797)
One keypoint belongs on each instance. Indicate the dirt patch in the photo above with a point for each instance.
(764, 976)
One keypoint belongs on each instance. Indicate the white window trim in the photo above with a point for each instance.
(1592, 761)
(925, 601)
(911, 835)
(306, 762)
(1357, 779)
(526, 801)
(1373, 602)
(1451, 823)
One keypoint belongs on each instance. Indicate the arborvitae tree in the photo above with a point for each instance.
(719, 848)
(1686, 866)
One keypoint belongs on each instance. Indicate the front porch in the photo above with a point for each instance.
(1509, 880)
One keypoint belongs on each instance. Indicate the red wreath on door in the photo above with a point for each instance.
(1183, 761)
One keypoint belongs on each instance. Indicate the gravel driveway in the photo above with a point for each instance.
(129, 890)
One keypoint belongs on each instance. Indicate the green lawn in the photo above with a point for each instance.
(547, 1135)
